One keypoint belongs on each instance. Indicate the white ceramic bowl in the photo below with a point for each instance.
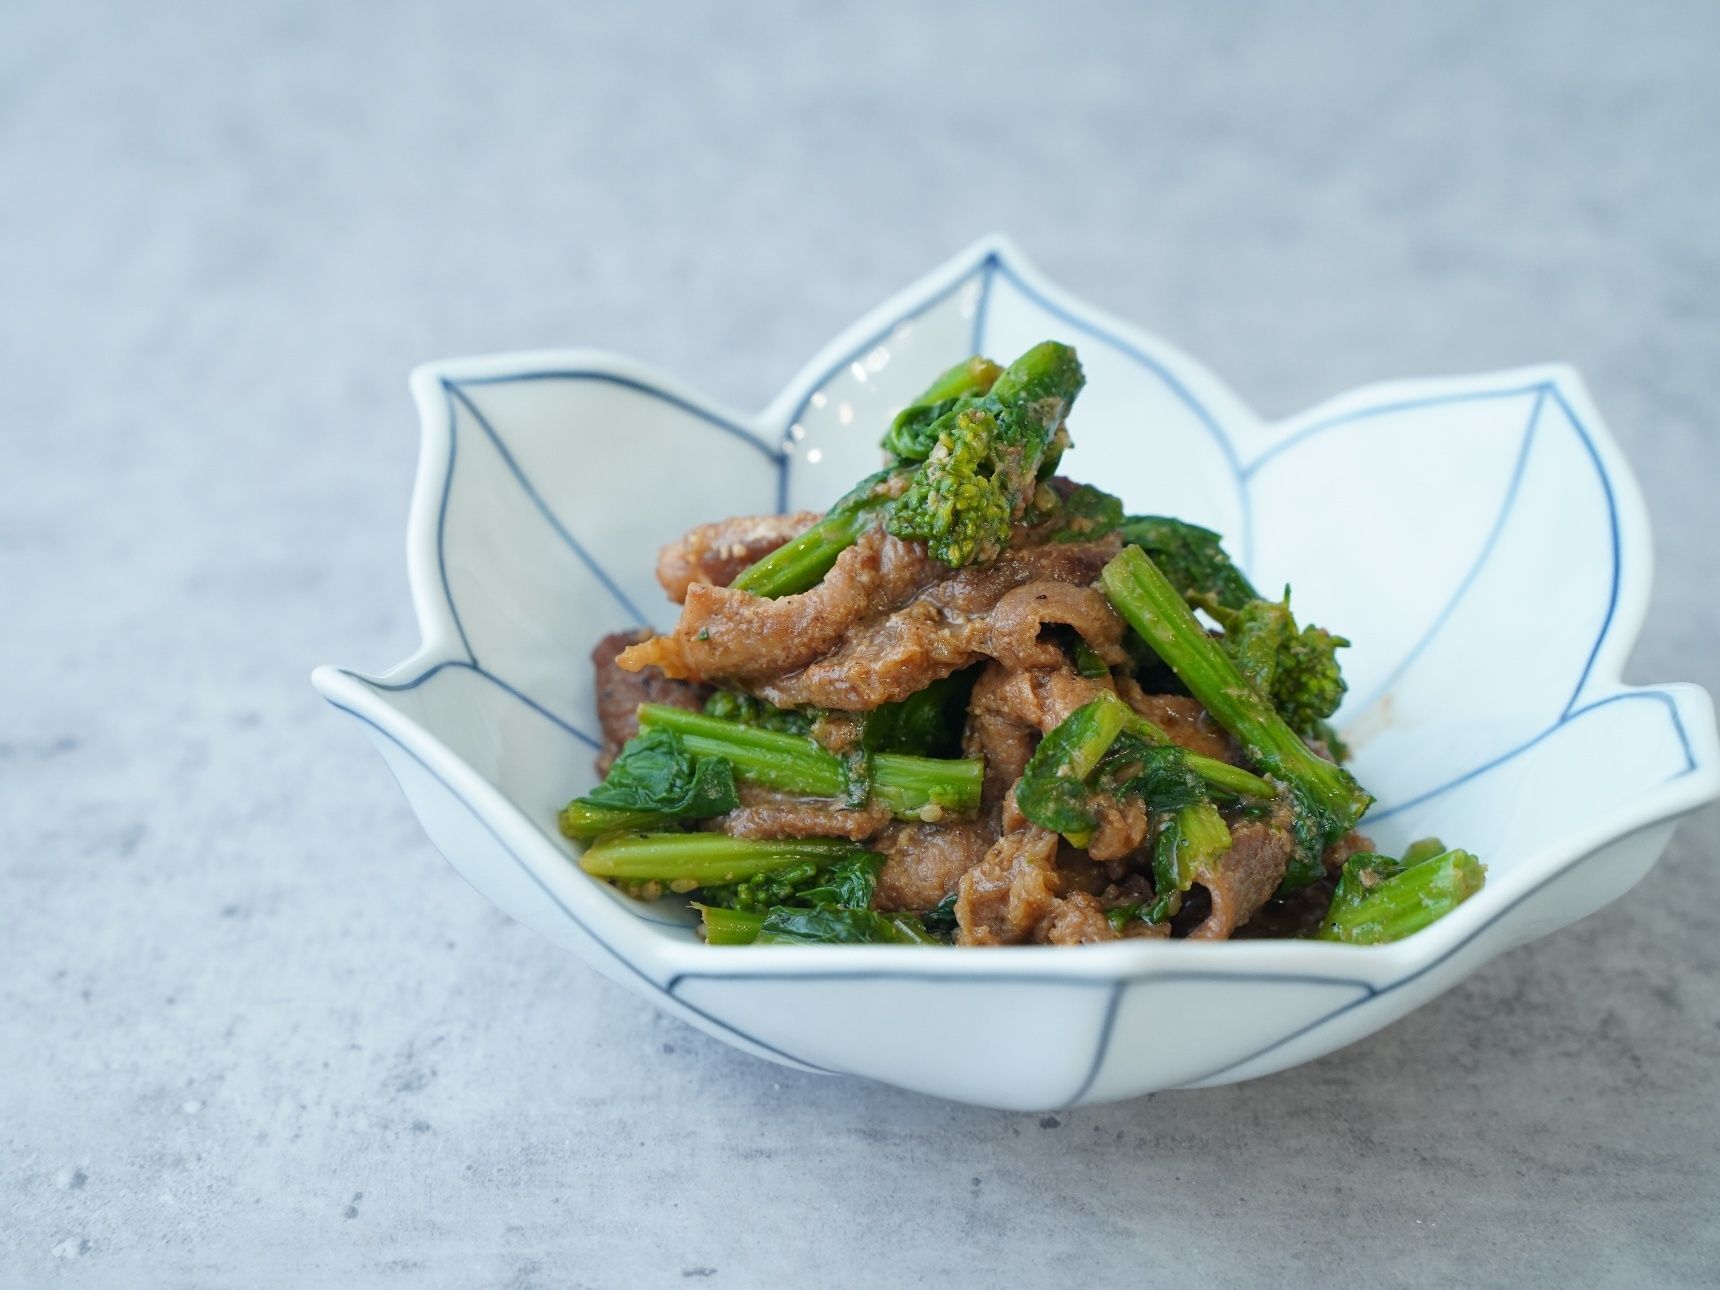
(1480, 540)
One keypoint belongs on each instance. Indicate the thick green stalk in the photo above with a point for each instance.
(683, 861)
(1220, 774)
(583, 821)
(802, 563)
(729, 926)
(1155, 609)
(914, 788)
(1369, 908)
(910, 436)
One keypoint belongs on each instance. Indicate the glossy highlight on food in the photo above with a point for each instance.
(975, 703)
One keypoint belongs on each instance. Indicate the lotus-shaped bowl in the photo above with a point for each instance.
(1479, 539)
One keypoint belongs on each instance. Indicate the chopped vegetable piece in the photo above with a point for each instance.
(1379, 899)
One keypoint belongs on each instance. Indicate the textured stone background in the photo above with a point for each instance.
(255, 1032)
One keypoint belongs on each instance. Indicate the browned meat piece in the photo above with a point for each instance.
(944, 628)
(1352, 843)
(735, 636)
(767, 814)
(1015, 895)
(1184, 720)
(1001, 900)
(1246, 877)
(1014, 636)
(1078, 919)
(1006, 747)
(923, 862)
(840, 732)
(620, 693)
(718, 553)
(1007, 713)
(1037, 701)
(1122, 827)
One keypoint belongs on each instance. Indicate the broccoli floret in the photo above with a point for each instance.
(956, 502)
(1296, 667)
(912, 435)
(967, 458)
(985, 466)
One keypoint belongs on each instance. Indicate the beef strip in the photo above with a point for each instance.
(1077, 919)
(739, 637)
(923, 862)
(1019, 892)
(1123, 827)
(718, 553)
(1001, 900)
(1245, 877)
(764, 813)
(619, 694)
(1007, 712)
(947, 625)
(1015, 632)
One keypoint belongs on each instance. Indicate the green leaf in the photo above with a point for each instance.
(828, 925)
(848, 882)
(1086, 514)
(926, 724)
(656, 773)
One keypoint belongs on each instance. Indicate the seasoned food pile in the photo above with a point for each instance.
(976, 703)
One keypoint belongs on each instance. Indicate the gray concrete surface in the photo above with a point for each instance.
(253, 1032)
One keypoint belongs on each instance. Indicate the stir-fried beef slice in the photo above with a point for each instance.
(1002, 899)
(727, 635)
(1017, 894)
(923, 862)
(1352, 843)
(619, 694)
(1005, 745)
(718, 553)
(948, 626)
(764, 813)
(1015, 633)
(1036, 701)
(1245, 878)
(1078, 919)
(1007, 712)
(1123, 827)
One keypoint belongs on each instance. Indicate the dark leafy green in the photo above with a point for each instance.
(828, 925)
(732, 705)
(1191, 558)
(1086, 514)
(926, 724)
